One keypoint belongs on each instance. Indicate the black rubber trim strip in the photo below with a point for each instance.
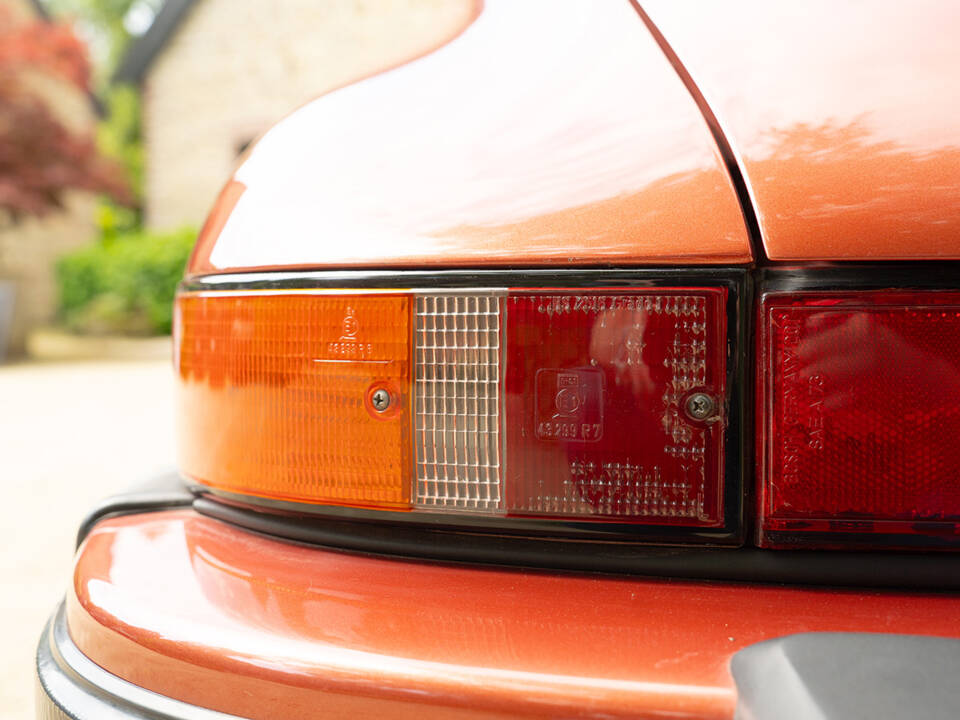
(73, 687)
(929, 571)
(896, 276)
(649, 276)
(549, 529)
(734, 171)
(843, 676)
(166, 492)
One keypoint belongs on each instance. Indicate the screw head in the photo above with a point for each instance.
(700, 406)
(380, 400)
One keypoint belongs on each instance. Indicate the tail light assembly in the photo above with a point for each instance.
(594, 406)
(597, 409)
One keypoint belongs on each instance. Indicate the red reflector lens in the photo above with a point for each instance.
(861, 415)
(615, 404)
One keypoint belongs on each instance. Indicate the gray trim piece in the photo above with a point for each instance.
(848, 676)
(82, 690)
(166, 492)
(143, 51)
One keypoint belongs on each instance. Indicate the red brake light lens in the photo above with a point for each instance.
(860, 405)
(597, 388)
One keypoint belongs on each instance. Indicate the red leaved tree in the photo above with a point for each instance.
(40, 159)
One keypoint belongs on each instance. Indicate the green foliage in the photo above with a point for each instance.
(118, 134)
(101, 22)
(124, 285)
(114, 220)
(118, 138)
(125, 282)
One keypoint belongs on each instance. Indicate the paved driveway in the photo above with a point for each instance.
(69, 435)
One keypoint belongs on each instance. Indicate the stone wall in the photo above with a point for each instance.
(28, 252)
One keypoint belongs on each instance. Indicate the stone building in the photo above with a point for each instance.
(215, 74)
(30, 246)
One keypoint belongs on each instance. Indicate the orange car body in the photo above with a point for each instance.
(581, 146)
(197, 610)
(548, 134)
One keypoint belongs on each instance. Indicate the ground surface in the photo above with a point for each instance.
(70, 434)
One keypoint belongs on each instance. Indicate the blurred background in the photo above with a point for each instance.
(120, 120)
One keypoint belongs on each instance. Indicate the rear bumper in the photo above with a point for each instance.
(70, 685)
(217, 617)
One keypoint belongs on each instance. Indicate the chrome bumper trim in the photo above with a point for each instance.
(73, 686)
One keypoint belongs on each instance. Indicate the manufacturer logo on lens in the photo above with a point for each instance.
(350, 326)
(569, 404)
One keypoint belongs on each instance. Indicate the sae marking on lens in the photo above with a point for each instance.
(569, 404)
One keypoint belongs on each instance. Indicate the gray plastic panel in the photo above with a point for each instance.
(848, 676)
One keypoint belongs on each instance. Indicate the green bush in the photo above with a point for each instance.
(124, 285)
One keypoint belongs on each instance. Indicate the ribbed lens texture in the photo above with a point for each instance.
(275, 395)
(457, 396)
(862, 406)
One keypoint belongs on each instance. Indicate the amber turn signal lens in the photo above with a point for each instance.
(300, 397)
